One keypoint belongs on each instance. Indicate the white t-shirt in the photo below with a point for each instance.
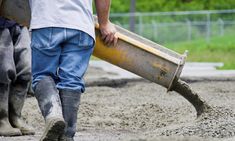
(74, 14)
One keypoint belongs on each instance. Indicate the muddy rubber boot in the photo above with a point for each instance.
(65, 138)
(5, 127)
(50, 106)
(18, 92)
(70, 103)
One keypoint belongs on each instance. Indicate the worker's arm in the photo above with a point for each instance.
(107, 29)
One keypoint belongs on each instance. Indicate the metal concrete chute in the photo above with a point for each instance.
(142, 57)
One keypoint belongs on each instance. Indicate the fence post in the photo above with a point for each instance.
(155, 30)
(221, 26)
(208, 27)
(140, 25)
(189, 26)
(132, 15)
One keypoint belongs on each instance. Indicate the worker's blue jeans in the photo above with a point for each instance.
(62, 54)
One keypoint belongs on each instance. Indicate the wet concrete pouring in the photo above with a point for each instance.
(142, 110)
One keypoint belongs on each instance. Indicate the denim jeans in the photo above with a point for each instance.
(62, 54)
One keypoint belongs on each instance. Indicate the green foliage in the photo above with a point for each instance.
(119, 6)
(220, 49)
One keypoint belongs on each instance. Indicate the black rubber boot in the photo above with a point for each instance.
(18, 92)
(18, 89)
(50, 106)
(5, 127)
(70, 103)
(65, 138)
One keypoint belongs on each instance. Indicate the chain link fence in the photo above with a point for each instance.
(167, 27)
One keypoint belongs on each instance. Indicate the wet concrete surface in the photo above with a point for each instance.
(143, 111)
(200, 105)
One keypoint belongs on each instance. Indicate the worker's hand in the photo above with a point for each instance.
(108, 31)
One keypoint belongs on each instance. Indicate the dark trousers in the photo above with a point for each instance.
(15, 55)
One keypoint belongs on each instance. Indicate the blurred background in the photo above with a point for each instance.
(204, 27)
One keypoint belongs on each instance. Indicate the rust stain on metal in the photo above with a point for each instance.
(163, 70)
(160, 66)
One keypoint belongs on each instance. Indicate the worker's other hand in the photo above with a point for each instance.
(108, 31)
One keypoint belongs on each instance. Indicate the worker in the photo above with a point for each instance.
(15, 75)
(63, 39)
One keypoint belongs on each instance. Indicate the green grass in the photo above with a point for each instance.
(219, 49)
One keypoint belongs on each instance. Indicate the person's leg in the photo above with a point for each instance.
(70, 103)
(46, 50)
(7, 74)
(45, 61)
(49, 103)
(74, 61)
(19, 88)
(5, 127)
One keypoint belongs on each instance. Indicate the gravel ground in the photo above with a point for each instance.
(143, 111)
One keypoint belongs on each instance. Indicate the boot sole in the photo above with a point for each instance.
(24, 132)
(54, 129)
(11, 134)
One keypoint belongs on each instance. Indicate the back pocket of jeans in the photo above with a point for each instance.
(41, 38)
(85, 40)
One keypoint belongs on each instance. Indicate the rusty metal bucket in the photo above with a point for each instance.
(133, 53)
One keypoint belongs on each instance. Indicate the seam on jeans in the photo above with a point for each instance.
(80, 37)
(65, 34)
(86, 40)
(50, 36)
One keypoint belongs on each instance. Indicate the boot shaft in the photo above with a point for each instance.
(4, 96)
(5, 127)
(70, 104)
(17, 96)
(18, 93)
(50, 106)
(48, 98)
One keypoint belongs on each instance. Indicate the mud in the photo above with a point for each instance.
(143, 111)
